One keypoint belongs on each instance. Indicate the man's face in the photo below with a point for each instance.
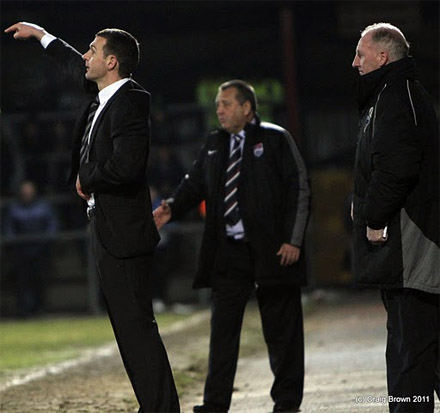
(27, 192)
(232, 115)
(369, 56)
(96, 63)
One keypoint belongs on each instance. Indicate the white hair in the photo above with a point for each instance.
(390, 37)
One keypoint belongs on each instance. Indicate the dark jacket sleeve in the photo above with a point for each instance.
(298, 192)
(71, 64)
(191, 190)
(396, 158)
(130, 134)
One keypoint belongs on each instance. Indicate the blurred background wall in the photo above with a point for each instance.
(297, 54)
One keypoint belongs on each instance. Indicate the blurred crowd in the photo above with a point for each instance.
(38, 206)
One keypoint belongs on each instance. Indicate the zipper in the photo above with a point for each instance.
(375, 111)
(411, 101)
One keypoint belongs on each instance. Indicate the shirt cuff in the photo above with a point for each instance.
(46, 40)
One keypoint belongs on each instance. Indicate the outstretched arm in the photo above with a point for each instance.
(25, 31)
(65, 56)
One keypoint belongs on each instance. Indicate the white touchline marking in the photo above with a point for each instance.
(91, 354)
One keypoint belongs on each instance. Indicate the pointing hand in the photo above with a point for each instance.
(24, 31)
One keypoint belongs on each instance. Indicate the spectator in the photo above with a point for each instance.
(31, 219)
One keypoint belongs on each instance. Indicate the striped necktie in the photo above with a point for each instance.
(85, 142)
(232, 215)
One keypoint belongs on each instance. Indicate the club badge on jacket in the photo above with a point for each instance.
(258, 149)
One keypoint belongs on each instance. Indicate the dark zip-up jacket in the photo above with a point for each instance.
(273, 196)
(397, 181)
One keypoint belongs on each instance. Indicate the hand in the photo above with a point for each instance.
(162, 214)
(24, 31)
(289, 254)
(376, 236)
(79, 191)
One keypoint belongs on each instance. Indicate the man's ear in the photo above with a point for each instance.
(112, 62)
(383, 58)
(247, 107)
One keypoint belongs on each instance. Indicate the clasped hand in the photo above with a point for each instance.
(376, 236)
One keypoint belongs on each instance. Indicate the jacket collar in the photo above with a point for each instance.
(369, 85)
(106, 93)
(252, 126)
(249, 127)
(130, 84)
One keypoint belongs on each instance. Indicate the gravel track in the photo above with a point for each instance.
(345, 367)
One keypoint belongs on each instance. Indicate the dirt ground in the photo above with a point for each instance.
(345, 366)
(102, 385)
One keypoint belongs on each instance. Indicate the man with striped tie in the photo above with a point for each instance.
(254, 182)
(109, 165)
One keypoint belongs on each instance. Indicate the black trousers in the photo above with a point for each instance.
(126, 287)
(413, 349)
(282, 321)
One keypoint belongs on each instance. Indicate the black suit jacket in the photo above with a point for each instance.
(117, 169)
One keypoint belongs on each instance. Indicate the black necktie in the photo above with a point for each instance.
(232, 215)
(85, 142)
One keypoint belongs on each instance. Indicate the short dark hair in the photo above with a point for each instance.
(245, 92)
(124, 46)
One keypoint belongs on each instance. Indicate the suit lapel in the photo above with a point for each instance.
(78, 134)
(126, 86)
(82, 120)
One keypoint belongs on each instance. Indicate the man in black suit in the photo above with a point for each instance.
(109, 160)
(254, 182)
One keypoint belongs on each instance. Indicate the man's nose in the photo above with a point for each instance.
(355, 62)
(85, 56)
